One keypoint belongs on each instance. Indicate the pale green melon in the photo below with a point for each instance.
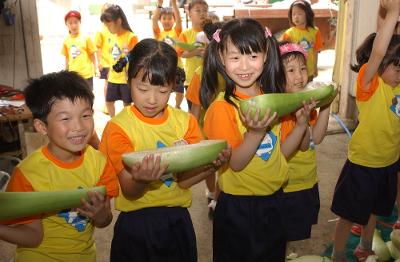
(286, 103)
(181, 158)
(14, 205)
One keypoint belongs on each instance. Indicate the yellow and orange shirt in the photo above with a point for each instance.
(169, 37)
(121, 44)
(302, 165)
(131, 131)
(376, 141)
(102, 41)
(310, 39)
(67, 236)
(78, 50)
(192, 63)
(266, 172)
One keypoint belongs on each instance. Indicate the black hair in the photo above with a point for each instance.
(166, 11)
(196, 2)
(292, 55)
(306, 7)
(156, 60)
(41, 93)
(248, 36)
(392, 55)
(209, 28)
(112, 13)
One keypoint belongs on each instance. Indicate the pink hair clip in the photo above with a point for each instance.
(216, 36)
(267, 32)
(291, 47)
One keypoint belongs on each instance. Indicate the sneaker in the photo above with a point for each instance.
(356, 230)
(361, 254)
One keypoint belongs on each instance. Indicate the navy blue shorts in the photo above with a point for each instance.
(104, 73)
(301, 212)
(179, 88)
(154, 234)
(362, 191)
(118, 92)
(89, 81)
(249, 228)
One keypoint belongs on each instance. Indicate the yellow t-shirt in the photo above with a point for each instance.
(168, 37)
(78, 49)
(102, 41)
(67, 236)
(192, 63)
(120, 46)
(266, 172)
(376, 140)
(131, 131)
(310, 39)
(302, 165)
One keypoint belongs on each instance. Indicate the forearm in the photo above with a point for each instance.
(293, 141)
(177, 15)
(242, 155)
(195, 110)
(22, 235)
(130, 188)
(319, 129)
(385, 33)
(192, 177)
(94, 61)
(98, 54)
(189, 54)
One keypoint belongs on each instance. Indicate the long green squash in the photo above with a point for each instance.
(286, 103)
(186, 46)
(14, 205)
(181, 158)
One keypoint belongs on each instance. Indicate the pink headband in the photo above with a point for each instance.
(290, 47)
(217, 38)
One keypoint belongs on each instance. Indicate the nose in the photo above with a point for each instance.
(151, 98)
(77, 124)
(244, 63)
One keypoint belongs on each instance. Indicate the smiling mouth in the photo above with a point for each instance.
(244, 76)
(77, 140)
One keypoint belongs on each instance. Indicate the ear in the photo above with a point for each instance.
(40, 126)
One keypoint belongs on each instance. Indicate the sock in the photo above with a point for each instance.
(365, 245)
(210, 195)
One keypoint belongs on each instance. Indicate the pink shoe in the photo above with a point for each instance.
(362, 254)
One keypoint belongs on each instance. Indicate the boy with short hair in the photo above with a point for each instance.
(61, 104)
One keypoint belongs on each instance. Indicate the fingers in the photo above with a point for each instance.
(91, 207)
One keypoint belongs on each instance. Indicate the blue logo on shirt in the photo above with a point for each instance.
(395, 107)
(115, 52)
(267, 146)
(305, 44)
(75, 51)
(74, 219)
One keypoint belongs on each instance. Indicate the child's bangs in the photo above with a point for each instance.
(248, 41)
(106, 17)
(157, 74)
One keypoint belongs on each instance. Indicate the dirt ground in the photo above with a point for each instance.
(331, 155)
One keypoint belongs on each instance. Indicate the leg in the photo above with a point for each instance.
(397, 224)
(178, 99)
(210, 183)
(341, 235)
(110, 108)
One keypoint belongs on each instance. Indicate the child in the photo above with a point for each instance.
(198, 12)
(248, 222)
(102, 40)
(122, 42)
(304, 33)
(79, 50)
(367, 184)
(154, 224)
(168, 17)
(301, 196)
(61, 104)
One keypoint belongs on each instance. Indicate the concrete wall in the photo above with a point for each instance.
(20, 56)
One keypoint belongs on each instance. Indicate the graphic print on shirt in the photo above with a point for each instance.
(75, 51)
(115, 52)
(305, 44)
(167, 178)
(395, 107)
(74, 219)
(267, 146)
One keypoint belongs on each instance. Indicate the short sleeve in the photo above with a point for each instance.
(114, 143)
(109, 179)
(193, 91)
(193, 134)
(361, 93)
(91, 48)
(220, 122)
(318, 41)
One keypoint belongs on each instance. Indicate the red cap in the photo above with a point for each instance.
(72, 13)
